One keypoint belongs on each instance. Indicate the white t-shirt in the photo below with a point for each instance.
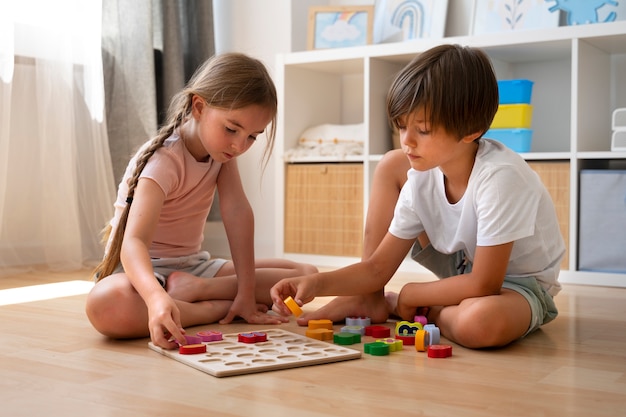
(189, 187)
(505, 201)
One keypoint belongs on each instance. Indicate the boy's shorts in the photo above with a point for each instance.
(543, 309)
(200, 264)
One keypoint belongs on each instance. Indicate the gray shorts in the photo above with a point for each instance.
(543, 309)
(200, 264)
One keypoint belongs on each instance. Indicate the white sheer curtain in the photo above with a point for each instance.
(56, 181)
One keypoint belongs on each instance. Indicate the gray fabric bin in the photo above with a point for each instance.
(602, 233)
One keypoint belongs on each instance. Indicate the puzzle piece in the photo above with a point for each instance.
(254, 337)
(209, 335)
(347, 338)
(358, 321)
(376, 348)
(377, 331)
(282, 350)
(319, 334)
(293, 306)
(439, 351)
(406, 328)
(320, 324)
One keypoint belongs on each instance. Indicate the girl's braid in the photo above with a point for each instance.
(112, 258)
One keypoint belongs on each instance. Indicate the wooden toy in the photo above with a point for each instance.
(376, 348)
(358, 321)
(293, 306)
(377, 331)
(282, 350)
(320, 334)
(192, 349)
(434, 333)
(439, 351)
(421, 319)
(209, 335)
(407, 340)
(192, 340)
(406, 328)
(347, 338)
(421, 340)
(353, 329)
(254, 337)
(395, 345)
(321, 324)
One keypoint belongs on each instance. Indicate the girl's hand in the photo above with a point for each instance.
(164, 322)
(251, 313)
(301, 289)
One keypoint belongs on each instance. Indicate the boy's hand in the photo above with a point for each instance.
(404, 308)
(301, 289)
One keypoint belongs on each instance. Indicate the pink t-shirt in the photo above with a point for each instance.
(189, 188)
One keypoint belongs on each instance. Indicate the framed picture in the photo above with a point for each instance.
(492, 16)
(340, 26)
(401, 20)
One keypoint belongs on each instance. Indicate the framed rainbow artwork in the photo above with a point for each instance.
(340, 26)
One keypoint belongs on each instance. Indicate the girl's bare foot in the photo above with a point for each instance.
(391, 299)
(183, 286)
(371, 305)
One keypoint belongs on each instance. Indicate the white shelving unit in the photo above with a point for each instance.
(579, 76)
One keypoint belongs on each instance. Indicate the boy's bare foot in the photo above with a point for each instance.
(391, 299)
(370, 305)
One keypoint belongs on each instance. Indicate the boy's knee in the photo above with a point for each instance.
(307, 269)
(476, 329)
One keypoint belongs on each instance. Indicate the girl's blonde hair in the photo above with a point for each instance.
(226, 81)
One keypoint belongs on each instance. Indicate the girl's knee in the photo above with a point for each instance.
(307, 269)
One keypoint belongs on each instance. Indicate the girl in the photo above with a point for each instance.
(153, 278)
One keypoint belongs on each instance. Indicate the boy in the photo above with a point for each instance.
(473, 210)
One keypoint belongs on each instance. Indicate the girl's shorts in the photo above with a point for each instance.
(541, 303)
(200, 264)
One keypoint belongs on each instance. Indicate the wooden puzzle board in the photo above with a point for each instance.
(282, 350)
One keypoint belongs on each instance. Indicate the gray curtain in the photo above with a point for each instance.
(150, 48)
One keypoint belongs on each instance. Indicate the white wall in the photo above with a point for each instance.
(264, 28)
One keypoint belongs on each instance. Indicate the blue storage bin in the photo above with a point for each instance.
(515, 91)
(517, 139)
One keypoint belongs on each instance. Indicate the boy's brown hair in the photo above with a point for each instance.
(455, 85)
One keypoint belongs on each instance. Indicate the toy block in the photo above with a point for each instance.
(394, 344)
(376, 348)
(358, 321)
(321, 324)
(406, 328)
(254, 337)
(209, 335)
(421, 340)
(377, 331)
(192, 340)
(421, 319)
(293, 306)
(347, 338)
(439, 351)
(192, 349)
(320, 334)
(434, 333)
(353, 329)
(406, 340)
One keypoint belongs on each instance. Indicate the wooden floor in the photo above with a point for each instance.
(53, 363)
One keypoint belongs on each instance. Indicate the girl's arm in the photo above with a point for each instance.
(238, 221)
(486, 278)
(163, 314)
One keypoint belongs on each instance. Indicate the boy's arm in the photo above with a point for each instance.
(486, 278)
(360, 278)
